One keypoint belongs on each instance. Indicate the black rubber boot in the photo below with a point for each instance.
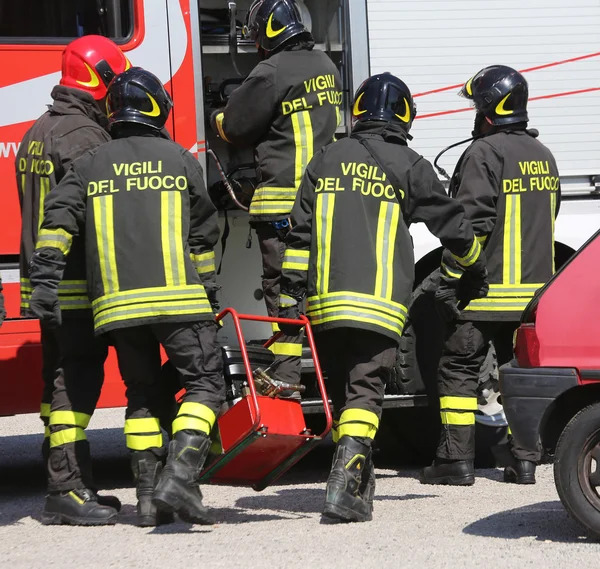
(177, 489)
(146, 468)
(367, 484)
(521, 472)
(78, 508)
(449, 472)
(343, 500)
(110, 501)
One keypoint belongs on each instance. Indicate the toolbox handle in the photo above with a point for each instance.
(302, 321)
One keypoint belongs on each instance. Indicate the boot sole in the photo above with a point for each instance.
(340, 513)
(170, 503)
(62, 519)
(467, 480)
(514, 479)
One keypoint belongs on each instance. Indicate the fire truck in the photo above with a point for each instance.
(197, 49)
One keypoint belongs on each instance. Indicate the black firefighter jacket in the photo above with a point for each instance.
(509, 185)
(349, 248)
(72, 125)
(150, 230)
(288, 107)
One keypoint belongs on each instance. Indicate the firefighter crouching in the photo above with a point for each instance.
(350, 253)
(509, 185)
(73, 360)
(150, 229)
(288, 108)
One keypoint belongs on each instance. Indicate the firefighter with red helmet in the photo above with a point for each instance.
(150, 231)
(509, 185)
(353, 262)
(288, 109)
(73, 360)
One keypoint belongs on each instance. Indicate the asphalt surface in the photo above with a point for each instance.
(490, 524)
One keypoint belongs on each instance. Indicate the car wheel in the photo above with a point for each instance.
(577, 468)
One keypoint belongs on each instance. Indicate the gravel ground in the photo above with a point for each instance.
(488, 524)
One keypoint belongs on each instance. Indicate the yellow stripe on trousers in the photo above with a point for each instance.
(105, 238)
(512, 240)
(303, 140)
(172, 238)
(387, 227)
(324, 223)
(44, 191)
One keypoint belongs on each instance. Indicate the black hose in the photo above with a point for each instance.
(226, 181)
(441, 171)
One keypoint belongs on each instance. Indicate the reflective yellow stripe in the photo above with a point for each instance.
(191, 423)
(324, 222)
(67, 436)
(198, 410)
(77, 499)
(498, 304)
(272, 200)
(219, 122)
(45, 410)
(164, 308)
(172, 238)
(335, 436)
(57, 238)
(143, 442)
(70, 418)
(296, 259)
(285, 300)
(204, 262)
(471, 256)
(481, 238)
(511, 270)
(44, 191)
(105, 239)
(286, 349)
(387, 227)
(458, 403)
(303, 140)
(149, 295)
(356, 298)
(46, 432)
(142, 425)
(454, 418)
(358, 423)
(553, 218)
(450, 272)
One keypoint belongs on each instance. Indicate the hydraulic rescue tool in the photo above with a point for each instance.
(264, 435)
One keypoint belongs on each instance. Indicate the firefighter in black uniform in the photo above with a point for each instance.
(73, 360)
(353, 260)
(288, 108)
(509, 185)
(150, 229)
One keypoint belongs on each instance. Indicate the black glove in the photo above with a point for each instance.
(292, 312)
(44, 305)
(473, 285)
(2, 309)
(446, 299)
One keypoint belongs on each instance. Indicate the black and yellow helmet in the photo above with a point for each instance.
(384, 97)
(272, 23)
(138, 96)
(499, 93)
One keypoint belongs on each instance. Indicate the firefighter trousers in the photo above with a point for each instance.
(193, 351)
(288, 349)
(77, 385)
(357, 364)
(50, 369)
(464, 352)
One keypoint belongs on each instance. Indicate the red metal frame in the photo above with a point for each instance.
(303, 320)
(258, 450)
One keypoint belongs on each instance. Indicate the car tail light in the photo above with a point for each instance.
(527, 346)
